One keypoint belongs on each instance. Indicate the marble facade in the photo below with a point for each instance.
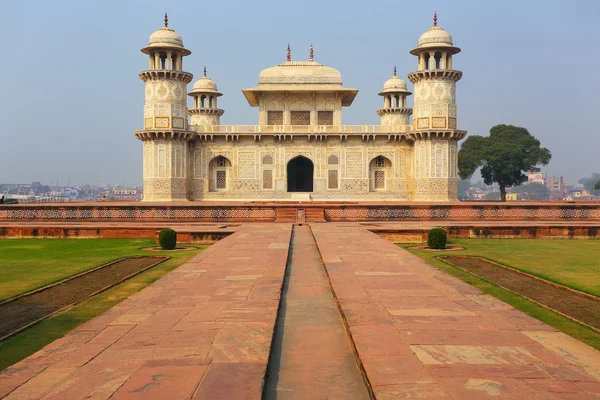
(300, 144)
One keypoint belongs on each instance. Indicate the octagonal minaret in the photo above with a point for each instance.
(395, 111)
(165, 134)
(204, 96)
(435, 118)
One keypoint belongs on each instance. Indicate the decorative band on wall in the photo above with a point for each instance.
(77, 213)
(462, 212)
(332, 212)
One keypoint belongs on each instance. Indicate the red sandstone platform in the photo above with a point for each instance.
(204, 331)
(206, 222)
(310, 211)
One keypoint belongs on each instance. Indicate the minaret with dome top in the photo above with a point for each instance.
(204, 97)
(434, 125)
(394, 111)
(166, 133)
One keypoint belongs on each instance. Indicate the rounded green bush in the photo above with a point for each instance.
(167, 238)
(437, 238)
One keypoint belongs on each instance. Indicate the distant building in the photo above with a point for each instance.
(556, 186)
(577, 193)
(512, 196)
(535, 177)
(126, 194)
(65, 192)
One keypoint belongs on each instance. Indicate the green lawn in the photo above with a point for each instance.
(573, 263)
(27, 264)
(22, 260)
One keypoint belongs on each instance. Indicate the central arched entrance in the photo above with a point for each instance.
(300, 175)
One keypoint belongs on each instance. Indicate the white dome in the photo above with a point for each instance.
(205, 84)
(435, 37)
(165, 38)
(300, 72)
(394, 84)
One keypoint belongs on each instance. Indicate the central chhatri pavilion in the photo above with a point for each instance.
(300, 149)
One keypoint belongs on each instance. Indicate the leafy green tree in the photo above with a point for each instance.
(597, 186)
(533, 191)
(504, 157)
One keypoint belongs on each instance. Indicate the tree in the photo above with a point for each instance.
(504, 157)
(589, 182)
(533, 191)
(597, 186)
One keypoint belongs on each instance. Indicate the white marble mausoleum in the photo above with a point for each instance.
(300, 148)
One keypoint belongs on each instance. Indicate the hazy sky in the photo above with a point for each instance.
(71, 97)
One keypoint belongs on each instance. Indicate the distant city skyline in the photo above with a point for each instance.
(72, 97)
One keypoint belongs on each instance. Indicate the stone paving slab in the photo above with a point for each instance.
(203, 331)
(421, 333)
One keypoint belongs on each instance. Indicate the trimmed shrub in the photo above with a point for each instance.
(437, 238)
(167, 238)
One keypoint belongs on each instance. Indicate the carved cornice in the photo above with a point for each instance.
(447, 134)
(206, 111)
(449, 74)
(316, 137)
(156, 74)
(164, 135)
(397, 111)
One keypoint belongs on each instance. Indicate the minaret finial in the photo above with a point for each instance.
(205, 71)
(289, 53)
(435, 18)
(394, 70)
(166, 20)
(312, 53)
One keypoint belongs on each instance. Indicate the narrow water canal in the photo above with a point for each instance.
(312, 356)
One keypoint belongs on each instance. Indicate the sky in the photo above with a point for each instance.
(71, 97)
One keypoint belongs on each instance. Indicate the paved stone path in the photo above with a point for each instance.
(312, 357)
(421, 333)
(204, 331)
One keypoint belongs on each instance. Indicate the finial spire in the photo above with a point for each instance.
(166, 20)
(289, 53)
(205, 71)
(394, 70)
(435, 18)
(312, 53)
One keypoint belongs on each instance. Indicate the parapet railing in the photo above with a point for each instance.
(302, 128)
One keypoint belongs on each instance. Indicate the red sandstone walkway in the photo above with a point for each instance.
(203, 331)
(421, 333)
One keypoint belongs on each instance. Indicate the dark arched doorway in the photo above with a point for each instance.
(300, 175)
